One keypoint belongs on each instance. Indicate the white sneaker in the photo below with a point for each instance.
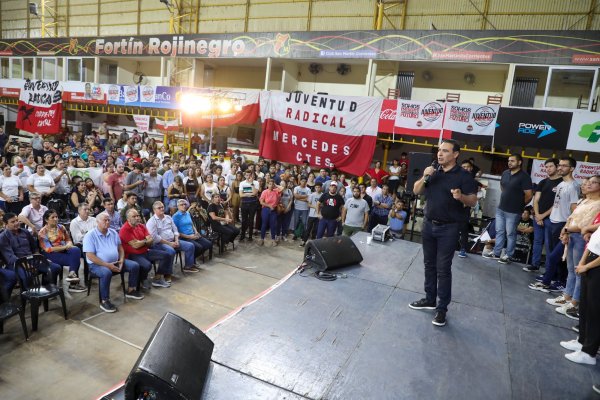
(580, 357)
(572, 345)
(558, 301)
(563, 309)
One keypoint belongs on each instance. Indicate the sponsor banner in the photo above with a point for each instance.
(388, 116)
(473, 119)
(540, 129)
(84, 92)
(172, 125)
(40, 107)
(94, 173)
(142, 122)
(542, 47)
(584, 134)
(247, 115)
(119, 95)
(328, 131)
(10, 92)
(420, 115)
(582, 170)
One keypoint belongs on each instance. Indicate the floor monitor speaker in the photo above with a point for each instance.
(332, 252)
(174, 363)
(417, 162)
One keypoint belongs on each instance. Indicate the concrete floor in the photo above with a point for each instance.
(85, 356)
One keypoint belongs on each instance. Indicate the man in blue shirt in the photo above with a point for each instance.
(16, 243)
(382, 203)
(169, 177)
(187, 229)
(105, 256)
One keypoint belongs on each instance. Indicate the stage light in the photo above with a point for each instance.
(189, 103)
(238, 107)
(225, 106)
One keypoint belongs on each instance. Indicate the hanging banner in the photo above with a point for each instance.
(472, 119)
(84, 92)
(539, 129)
(328, 131)
(94, 173)
(247, 115)
(419, 118)
(172, 125)
(40, 107)
(142, 122)
(582, 170)
(584, 134)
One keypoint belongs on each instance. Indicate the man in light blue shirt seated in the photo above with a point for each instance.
(187, 229)
(105, 256)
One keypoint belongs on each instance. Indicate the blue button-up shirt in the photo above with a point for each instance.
(382, 212)
(105, 247)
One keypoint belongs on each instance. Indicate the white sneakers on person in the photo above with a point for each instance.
(572, 345)
(580, 357)
(557, 301)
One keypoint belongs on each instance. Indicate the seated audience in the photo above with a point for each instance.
(221, 221)
(32, 214)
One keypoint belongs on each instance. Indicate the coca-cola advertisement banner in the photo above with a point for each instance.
(327, 131)
(473, 119)
(40, 107)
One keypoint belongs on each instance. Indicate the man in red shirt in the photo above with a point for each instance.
(116, 182)
(139, 247)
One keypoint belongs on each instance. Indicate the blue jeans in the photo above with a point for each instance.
(539, 233)
(199, 246)
(283, 223)
(105, 275)
(327, 224)
(300, 215)
(439, 244)
(187, 248)
(165, 265)
(10, 280)
(553, 260)
(70, 258)
(269, 219)
(575, 250)
(506, 232)
(50, 276)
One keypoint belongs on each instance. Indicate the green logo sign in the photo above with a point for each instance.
(590, 132)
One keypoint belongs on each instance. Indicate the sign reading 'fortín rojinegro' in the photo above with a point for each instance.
(175, 46)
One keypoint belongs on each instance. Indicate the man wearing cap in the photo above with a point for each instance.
(329, 209)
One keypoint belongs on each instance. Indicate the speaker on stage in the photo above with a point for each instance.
(332, 252)
(174, 363)
(417, 162)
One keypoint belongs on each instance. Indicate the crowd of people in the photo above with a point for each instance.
(149, 203)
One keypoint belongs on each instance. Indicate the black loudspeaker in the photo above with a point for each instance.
(332, 252)
(86, 128)
(173, 364)
(417, 162)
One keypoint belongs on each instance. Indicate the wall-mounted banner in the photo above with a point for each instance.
(40, 107)
(94, 173)
(419, 118)
(123, 95)
(582, 170)
(142, 122)
(171, 125)
(472, 119)
(328, 131)
(539, 129)
(585, 132)
(247, 115)
(84, 92)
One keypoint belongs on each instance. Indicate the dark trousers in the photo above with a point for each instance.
(200, 246)
(554, 256)
(14, 207)
(329, 225)
(283, 223)
(310, 230)
(248, 213)
(228, 232)
(464, 236)
(165, 262)
(439, 244)
(589, 312)
(375, 220)
(269, 220)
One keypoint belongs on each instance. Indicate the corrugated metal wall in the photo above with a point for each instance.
(119, 17)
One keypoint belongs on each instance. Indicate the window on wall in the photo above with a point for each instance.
(75, 69)
(49, 68)
(16, 68)
(28, 68)
(570, 88)
(4, 68)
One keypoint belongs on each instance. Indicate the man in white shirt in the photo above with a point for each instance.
(223, 163)
(165, 236)
(61, 180)
(33, 213)
(82, 224)
(301, 194)
(373, 190)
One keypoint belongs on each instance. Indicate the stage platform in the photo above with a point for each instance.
(356, 338)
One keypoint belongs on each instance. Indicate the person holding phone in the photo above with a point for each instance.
(105, 256)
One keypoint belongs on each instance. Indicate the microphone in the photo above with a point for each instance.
(435, 165)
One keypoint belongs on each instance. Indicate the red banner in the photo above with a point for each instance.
(248, 115)
(40, 107)
(328, 131)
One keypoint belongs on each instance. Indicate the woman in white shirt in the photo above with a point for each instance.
(144, 151)
(11, 191)
(208, 188)
(41, 182)
(394, 179)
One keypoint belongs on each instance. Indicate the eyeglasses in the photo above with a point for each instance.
(160, 207)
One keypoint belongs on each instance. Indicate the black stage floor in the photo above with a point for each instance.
(356, 338)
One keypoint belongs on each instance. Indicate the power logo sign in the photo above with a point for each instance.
(533, 128)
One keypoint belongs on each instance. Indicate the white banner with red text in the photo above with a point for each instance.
(328, 131)
(40, 107)
(419, 118)
(473, 119)
(582, 170)
(142, 122)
